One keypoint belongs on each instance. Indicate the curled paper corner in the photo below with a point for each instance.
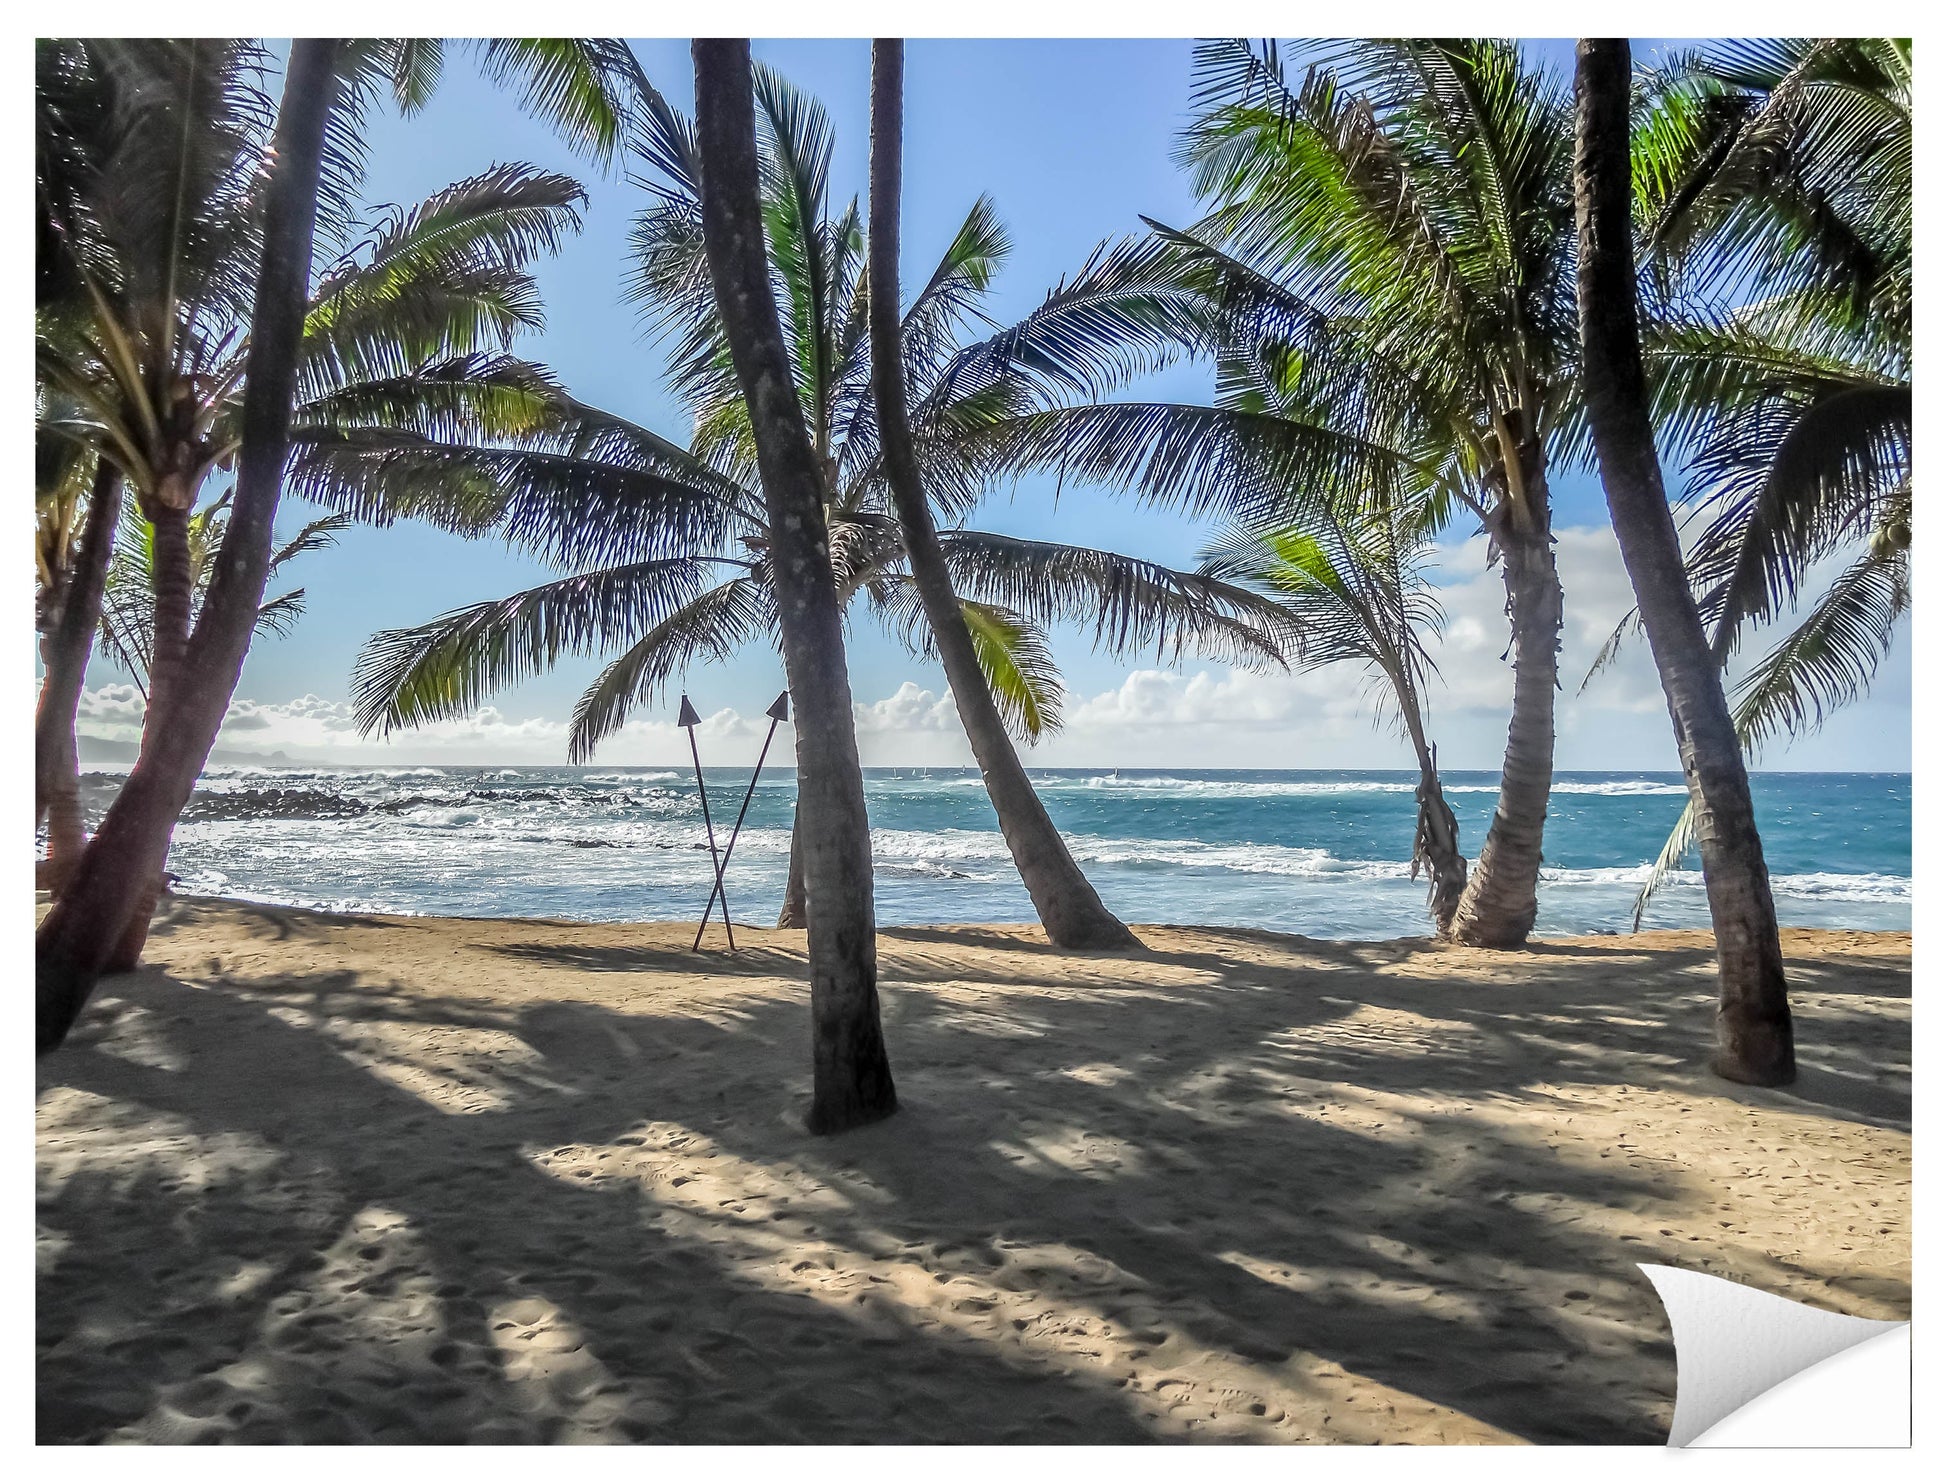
(1734, 1343)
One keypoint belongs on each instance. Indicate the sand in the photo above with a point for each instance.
(312, 1178)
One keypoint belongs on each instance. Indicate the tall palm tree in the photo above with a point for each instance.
(1753, 1019)
(1069, 908)
(1352, 584)
(851, 1075)
(78, 506)
(1774, 202)
(407, 329)
(1396, 228)
(79, 933)
(666, 597)
(200, 247)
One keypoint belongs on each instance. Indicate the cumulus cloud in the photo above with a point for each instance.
(908, 708)
(112, 710)
(1333, 718)
(1472, 673)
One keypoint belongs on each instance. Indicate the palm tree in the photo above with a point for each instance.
(668, 597)
(1069, 909)
(1353, 588)
(128, 606)
(84, 926)
(1774, 200)
(201, 247)
(851, 1076)
(74, 532)
(1753, 1020)
(1395, 230)
(407, 329)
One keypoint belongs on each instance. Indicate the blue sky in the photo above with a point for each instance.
(1073, 140)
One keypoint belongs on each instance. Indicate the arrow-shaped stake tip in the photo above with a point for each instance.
(780, 709)
(687, 716)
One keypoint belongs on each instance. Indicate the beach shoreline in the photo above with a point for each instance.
(312, 1177)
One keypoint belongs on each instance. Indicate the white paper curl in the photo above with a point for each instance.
(1734, 1343)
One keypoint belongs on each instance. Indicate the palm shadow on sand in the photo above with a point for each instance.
(312, 1281)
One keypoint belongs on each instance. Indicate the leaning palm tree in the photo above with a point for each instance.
(84, 928)
(77, 508)
(407, 329)
(667, 598)
(1397, 228)
(1352, 584)
(1069, 908)
(1753, 1019)
(1773, 198)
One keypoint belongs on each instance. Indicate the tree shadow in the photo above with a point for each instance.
(642, 1334)
(1096, 1192)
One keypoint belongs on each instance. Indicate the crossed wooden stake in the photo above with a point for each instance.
(687, 718)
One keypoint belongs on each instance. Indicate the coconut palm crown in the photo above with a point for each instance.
(150, 180)
(1387, 290)
(1774, 204)
(669, 594)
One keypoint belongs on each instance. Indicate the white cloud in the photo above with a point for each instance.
(1340, 717)
(112, 710)
(312, 728)
(1154, 718)
(908, 708)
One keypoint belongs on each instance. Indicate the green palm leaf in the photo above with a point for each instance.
(1019, 668)
(1129, 605)
(711, 626)
(444, 669)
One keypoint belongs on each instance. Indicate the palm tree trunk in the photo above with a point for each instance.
(851, 1076)
(1436, 838)
(1498, 907)
(792, 913)
(1754, 1041)
(64, 653)
(57, 776)
(173, 584)
(1071, 912)
(128, 851)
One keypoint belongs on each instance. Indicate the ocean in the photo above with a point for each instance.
(1319, 853)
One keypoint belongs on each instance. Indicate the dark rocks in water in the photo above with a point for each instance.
(593, 844)
(271, 803)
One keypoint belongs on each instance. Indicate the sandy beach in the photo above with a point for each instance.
(316, 1178)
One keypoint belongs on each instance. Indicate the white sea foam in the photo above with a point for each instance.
(1812, 886)
(1316, 788)
(965, 845)
(511, 841)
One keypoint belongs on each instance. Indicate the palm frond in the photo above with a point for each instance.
(711, 626)
(569, 501)
(317, 535)
(1126, 605)
(585, 88)
(1828, 660)
(277, 617)
(1243, 465)
(444, 669)
(1681, 840)
(1019, 668)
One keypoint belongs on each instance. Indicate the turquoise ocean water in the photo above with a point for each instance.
(1321, 853)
